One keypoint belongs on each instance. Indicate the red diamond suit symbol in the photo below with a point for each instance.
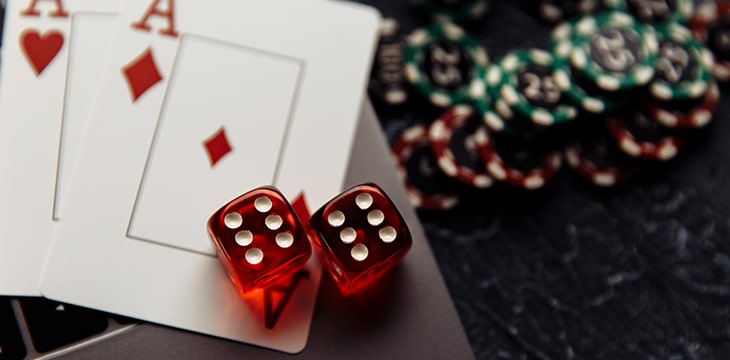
(141, 74)
(217, 146)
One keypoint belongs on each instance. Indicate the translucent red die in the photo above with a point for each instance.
(359, 235)
(258, 239)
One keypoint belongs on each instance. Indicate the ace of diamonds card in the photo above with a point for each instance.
(203, 101)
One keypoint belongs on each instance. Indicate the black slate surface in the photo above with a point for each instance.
(641, 271)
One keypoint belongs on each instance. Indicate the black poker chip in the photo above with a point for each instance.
(655, 12)
(458, 11)
(453, 144)
(711, 25)
(640, 136)
(524, 162)
(428, 188)
(387, 79)
(594, 155)
(553, 11)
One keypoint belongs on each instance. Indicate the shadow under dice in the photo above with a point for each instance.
(359, 235)
(258, 239)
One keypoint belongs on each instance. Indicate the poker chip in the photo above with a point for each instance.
(427, 187)
(553, 11)
(523, 81)
(573, 86)
(387, 81)
(613, 51)
(457, 11)
(711, 25)
(441, 63)
(452, 141)
(595, 156)
(655, 11)
(683, 67)
(515, 161)
(639, 136)
(696, 117)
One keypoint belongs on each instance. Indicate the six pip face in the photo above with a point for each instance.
(359, 235)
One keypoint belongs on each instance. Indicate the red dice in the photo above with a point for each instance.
(258, 239)
(359, 235)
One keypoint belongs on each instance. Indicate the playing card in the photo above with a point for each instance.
(202, 101)
(35, 58)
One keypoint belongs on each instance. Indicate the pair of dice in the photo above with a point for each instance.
(359, 235)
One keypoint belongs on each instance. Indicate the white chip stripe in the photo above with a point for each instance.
(418, 37)
(494, 76)
(452, 31)
(609, 83)
(440, 99)
(630, 147)
(541, 57)
(509, 62)
(542, 117)
(661, 91)
(644, 74)
(494, 121)
(561, 31)
(586, 26)
(447, 166)
(509, 95)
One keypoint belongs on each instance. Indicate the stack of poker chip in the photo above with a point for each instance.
(617, 91)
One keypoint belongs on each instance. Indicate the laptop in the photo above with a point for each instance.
(410, 316)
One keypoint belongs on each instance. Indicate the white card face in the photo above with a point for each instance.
(240, 104)
(35, 59)
(281, 81)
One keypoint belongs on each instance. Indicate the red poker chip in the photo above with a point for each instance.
(416, 165)
(452, 133)
(531, 180)
(641, 137)
(599, 175)
(696, 117)
(707, 19)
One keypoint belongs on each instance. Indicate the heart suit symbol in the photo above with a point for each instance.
(40, 49)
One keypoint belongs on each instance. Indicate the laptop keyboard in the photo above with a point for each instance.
(48, 326)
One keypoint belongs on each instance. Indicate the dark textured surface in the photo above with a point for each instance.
(641, 271)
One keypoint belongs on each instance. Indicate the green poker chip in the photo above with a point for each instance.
(683, 67)
(525, 84)
(441, 62)
(655, 11)
(562, 42)
(613, 51)
(458, 11)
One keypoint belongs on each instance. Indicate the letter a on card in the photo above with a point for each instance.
(142, 73)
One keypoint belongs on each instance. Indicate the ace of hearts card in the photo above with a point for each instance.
(202, 101)
(33, 107)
